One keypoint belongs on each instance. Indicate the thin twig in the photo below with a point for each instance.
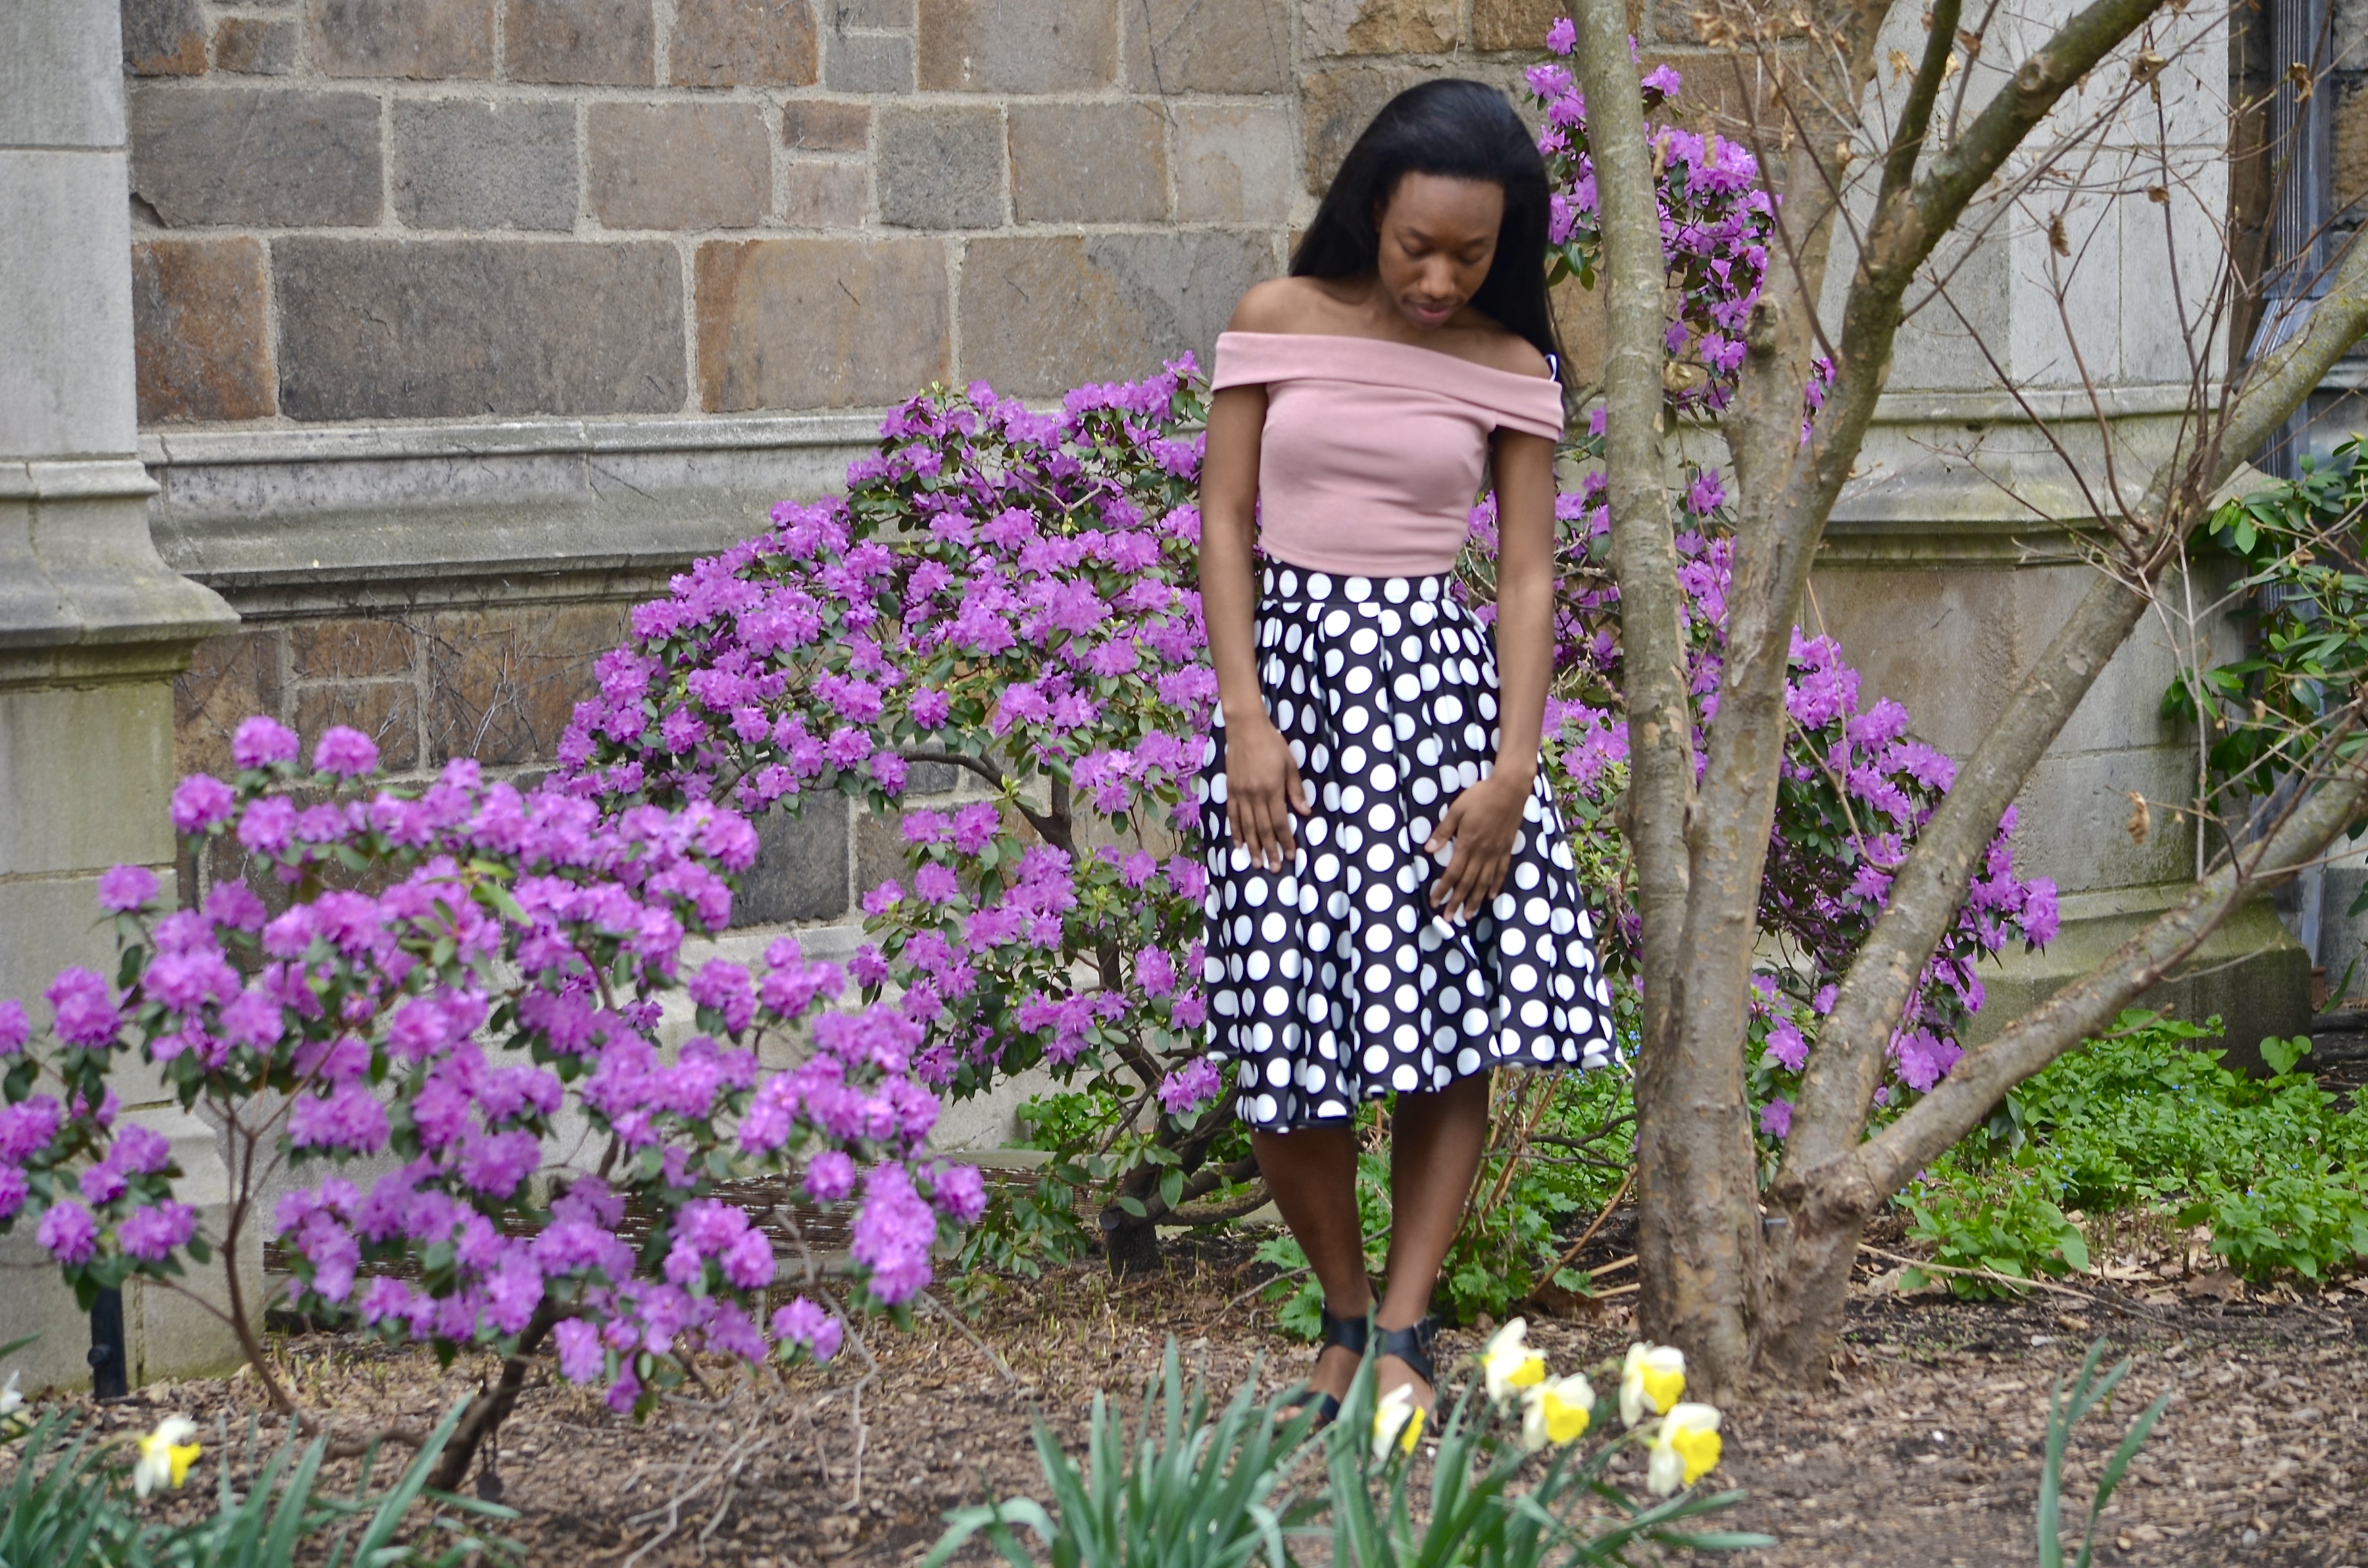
(1580, 1245)
(1992, 1274)
(984, 1350)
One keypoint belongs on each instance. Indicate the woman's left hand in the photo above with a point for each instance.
(1480, 823)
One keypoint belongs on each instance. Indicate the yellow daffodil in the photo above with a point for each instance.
(165, 1455)
(1685, 1448)
(1557, 1413)
(1509, 1363)
(1652, 1382)
(1397, 1421)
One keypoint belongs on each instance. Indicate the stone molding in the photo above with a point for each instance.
(287, 519)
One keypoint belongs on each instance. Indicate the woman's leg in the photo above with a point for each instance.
(1436, 1141)
(1312, 1174)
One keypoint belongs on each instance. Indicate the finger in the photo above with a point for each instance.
(1449, 827)
(1299, 800)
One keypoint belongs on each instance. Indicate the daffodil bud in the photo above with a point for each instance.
(1652, 1382)
(1397, 1422)
(1685, 1448)
(1509, 1363)
(165, 1455)
(1557, 1413)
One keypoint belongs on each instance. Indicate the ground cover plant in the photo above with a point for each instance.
(2146, 1127)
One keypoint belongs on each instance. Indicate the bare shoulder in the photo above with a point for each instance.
(1499, 349)
(1281, 305)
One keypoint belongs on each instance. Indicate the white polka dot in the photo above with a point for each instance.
(1403, 1079)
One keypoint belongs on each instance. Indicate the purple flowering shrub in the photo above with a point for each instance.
(458, 976)
(1011, 594)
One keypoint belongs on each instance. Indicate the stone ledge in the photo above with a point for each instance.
(269, 509)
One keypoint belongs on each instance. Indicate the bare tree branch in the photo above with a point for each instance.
(1959, 1102)
(1843, 1072)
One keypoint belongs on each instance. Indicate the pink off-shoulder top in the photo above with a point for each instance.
(1372, 450)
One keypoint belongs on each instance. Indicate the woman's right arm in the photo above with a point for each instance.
(1262, 784)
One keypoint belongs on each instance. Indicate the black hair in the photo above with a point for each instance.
(1461, 129)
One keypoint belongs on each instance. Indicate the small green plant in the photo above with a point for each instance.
(72, 1503)
(2065, 1408)
(1475, 1516)
(1187, 1492)
(2145, 1121)
(1184, 1492)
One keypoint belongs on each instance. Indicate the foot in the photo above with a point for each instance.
(1405, 1362)
(1336, 1366)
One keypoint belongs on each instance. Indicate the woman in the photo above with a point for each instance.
(1392, 907)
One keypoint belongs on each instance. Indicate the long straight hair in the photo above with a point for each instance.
(1461, 129)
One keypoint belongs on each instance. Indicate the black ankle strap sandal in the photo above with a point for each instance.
(1412, 1345)
(1349, 1334)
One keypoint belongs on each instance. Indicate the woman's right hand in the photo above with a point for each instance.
(1262, 791)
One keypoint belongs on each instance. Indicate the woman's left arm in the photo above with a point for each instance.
(1484, 819)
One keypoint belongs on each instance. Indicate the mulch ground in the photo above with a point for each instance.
(1924, 1449)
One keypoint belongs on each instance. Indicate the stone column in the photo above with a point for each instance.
(2058, 366)
(93, 626)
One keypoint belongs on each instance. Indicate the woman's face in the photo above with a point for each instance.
(1438, 235)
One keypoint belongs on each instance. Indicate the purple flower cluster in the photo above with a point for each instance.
(1012, 588)
(511, 960)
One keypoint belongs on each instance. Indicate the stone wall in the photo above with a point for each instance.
(461, 323)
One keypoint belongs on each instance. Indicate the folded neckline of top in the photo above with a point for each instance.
(1409, 348)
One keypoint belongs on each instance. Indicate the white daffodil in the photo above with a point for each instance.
(1397, 1422)
(12, 1405)
(1652, 1382)
(1557, 1413)
(165, 1455)
(1684, 1449)
(1509, 1363)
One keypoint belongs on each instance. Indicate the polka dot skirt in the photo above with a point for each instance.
(1333, 980)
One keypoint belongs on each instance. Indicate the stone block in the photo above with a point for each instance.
(1018, 46)
(84, 776)
(940, 167)
(201, 330)
(469, 163)
(819, 195)
(61, 75)
(742, 43)
(1337, 104)
(275, 157)
(819, 125)
(1514, 24)
(420, 39)
(1234, 163)
(821, 323)
(800, 870)
(399, 328)
(228, 678)
(875, 16)
(1208, 46)
(597, 42)
(2350, 136)
(360, 648)
(387, 712)
(255, 46)
(868, 62)
(1379, 27)
(1123, 304)
(504, 684)
(164, 37)
(679, 165)
(1088, 163)
(879, 849)
(64, 231)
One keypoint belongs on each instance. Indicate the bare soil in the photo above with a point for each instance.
(1924, 1450)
